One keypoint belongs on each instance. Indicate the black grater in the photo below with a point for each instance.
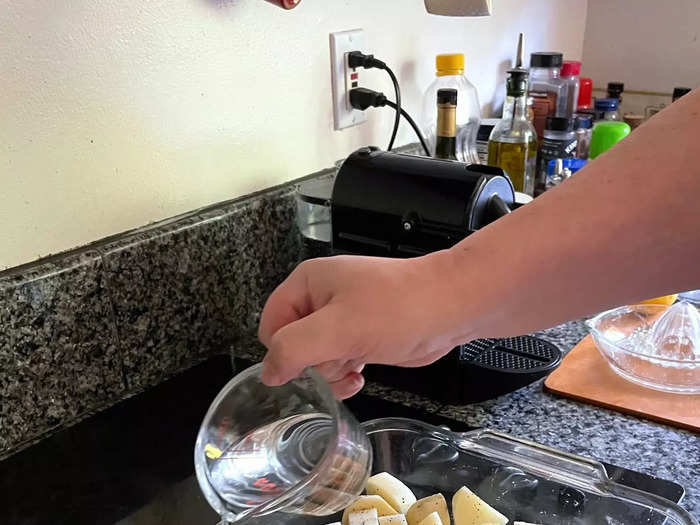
(475, 371)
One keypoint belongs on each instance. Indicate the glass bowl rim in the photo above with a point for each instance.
(655, 308)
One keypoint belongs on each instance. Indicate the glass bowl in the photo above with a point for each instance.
(521, 479)
(614, 334)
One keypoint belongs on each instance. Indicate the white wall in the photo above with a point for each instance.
(649, 45)
(114, 114)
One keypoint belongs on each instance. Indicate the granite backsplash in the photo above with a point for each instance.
(81, 330)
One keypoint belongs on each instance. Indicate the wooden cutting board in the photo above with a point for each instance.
(584, 375)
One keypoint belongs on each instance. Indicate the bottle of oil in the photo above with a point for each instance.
(513, 141)
(446, 133)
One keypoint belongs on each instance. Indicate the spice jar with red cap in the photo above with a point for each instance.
(570, 70)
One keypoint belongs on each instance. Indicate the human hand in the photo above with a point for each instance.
(339, 313)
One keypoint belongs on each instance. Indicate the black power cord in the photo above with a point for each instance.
(363, 98)
(413, 124)
(397, 108)
(359, 59)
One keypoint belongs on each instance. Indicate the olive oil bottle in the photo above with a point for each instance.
(513, 141)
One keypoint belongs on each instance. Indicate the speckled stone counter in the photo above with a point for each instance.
(590, 431)
(84, 329)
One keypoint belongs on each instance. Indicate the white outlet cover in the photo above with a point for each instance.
(342, 42)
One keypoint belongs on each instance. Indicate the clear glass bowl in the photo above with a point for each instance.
(523, 480)
(614, 330)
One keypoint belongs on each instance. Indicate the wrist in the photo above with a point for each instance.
(455, 289)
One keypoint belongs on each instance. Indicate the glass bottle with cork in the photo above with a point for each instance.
(513, 141)
(446, 130)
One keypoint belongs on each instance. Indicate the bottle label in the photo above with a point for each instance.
(482, 151)
(447, 120)
(517, 160)
(552, 149)
(544, 104)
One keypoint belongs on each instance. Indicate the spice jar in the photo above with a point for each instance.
(559, 142)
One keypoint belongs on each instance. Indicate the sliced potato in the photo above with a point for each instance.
(369, 502)
(394, 492)
(469, 509)
(363, 517)
(394, 519)
(431, 519)
(421, 508)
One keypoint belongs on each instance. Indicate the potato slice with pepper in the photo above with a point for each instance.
(394, 492)
(470, 509)
(423, 507)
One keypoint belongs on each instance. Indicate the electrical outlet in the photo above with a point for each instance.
(343, 79)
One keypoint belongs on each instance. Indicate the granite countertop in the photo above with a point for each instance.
(590, 431)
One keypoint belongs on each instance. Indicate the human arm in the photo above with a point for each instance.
(625, 228)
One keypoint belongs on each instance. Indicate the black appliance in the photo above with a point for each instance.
(394, 205)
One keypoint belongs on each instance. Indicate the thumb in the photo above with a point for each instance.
(310, 341)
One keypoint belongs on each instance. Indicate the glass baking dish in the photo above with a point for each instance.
(521, 479)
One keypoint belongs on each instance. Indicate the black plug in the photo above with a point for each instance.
(359, 59)
(363, 98)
